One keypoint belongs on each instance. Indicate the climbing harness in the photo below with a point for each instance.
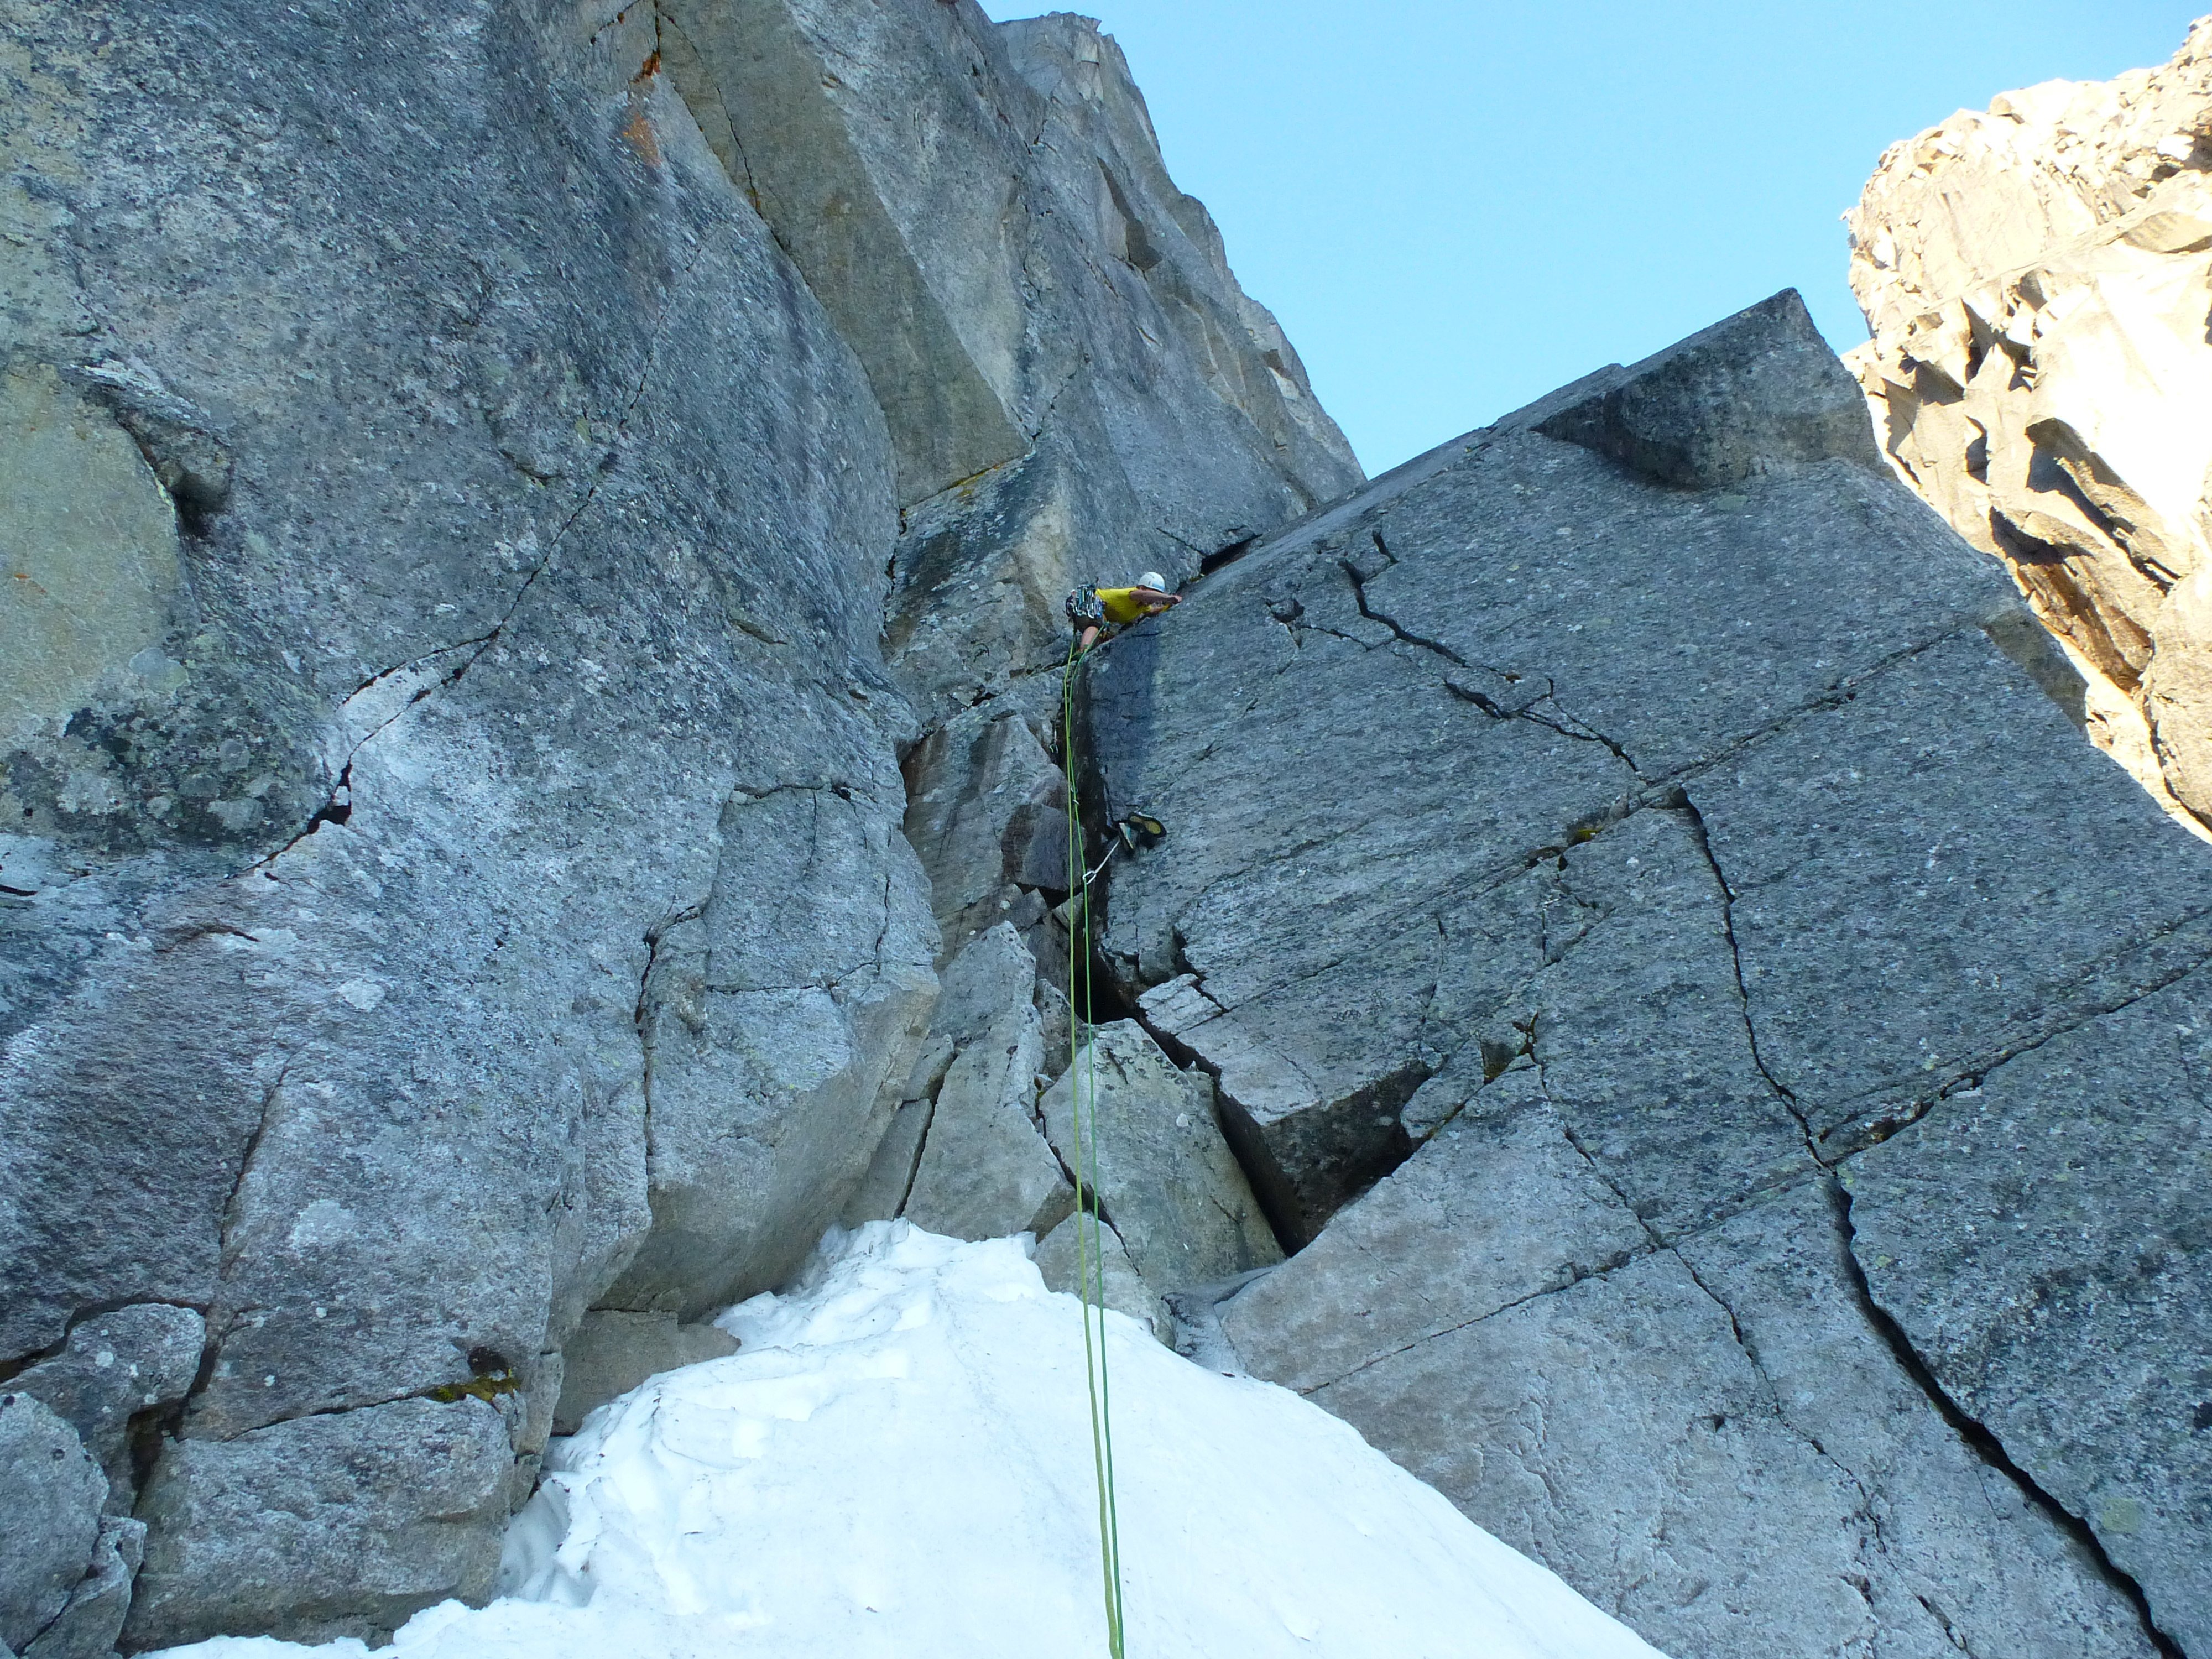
(1084, 609)
(1083, 1092)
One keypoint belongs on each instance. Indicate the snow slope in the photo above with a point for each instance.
(898, 1462)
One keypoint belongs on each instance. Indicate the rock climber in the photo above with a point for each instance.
(1096, 611)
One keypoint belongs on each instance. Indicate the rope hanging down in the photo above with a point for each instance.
(1091, 1258)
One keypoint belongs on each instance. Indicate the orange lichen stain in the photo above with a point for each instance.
(486, 1388)
(650, 68)
(641, 137)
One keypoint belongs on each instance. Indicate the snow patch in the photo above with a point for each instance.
(896, 1465)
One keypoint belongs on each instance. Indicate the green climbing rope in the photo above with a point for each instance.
(1091, 1258)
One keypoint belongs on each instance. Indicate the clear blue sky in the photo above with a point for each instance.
(1455, 205)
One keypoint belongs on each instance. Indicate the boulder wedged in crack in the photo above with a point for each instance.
(1155, 1161)
(1097, 1268)
(1628, 857)
(975, 1163)
(986, 1145)
(984, 1170)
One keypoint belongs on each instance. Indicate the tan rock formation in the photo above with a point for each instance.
(2037, 279)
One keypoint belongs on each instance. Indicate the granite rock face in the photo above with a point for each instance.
(984, 1170)
(1757, 393)
(985, 1145)
(453, 860)
(982, 793)
(2042, 1243)
(1075, 386)
(611, 1353)
(965, 1156)
(52, 1490)
(1108, 1277)
(91, 1620)
(372, 1512)
(2036, 278)
(531, 786)
(117, 1371)
(548, 546)
(1617, 872)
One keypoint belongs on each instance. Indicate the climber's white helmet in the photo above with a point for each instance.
(1153, 580)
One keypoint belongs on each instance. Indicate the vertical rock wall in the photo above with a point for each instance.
(454, 463)
(2037, 279)
(455, 532)
(1141, 412)
(534, 539)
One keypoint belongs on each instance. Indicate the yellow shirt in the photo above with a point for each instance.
(1121, 605)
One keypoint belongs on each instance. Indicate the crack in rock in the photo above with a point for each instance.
(642, 1016)
(1577, 1276)
(1977, 1436)
(338, 807)
(1696, 821)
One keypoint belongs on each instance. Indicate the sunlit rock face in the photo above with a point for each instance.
(2037, 278)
